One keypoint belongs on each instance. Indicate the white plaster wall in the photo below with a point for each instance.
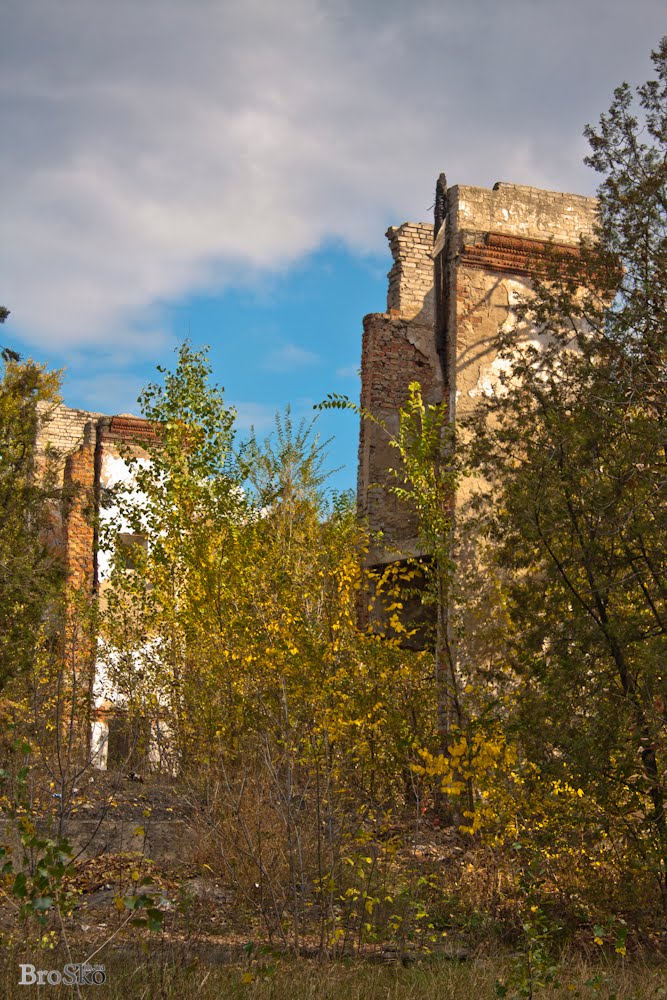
(117, 473)
(490, 378)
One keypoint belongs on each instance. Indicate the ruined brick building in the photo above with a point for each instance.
(90, 449)
(452, 286)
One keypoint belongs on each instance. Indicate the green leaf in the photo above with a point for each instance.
(42, 903)
(19, 889)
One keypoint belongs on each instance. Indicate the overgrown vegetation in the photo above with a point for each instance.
(572, 450)
(297, 732)
(30, 572)
(346, 794)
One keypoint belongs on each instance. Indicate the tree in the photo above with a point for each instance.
(7, 353)
(31, 574)
(236, 626)
(424, 479)
(573, 450)
(184, 498)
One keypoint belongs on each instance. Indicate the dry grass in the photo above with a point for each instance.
(274, 978)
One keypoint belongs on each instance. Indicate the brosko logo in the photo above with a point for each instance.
(73, 974)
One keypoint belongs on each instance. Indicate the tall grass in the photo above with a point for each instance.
(272, 978)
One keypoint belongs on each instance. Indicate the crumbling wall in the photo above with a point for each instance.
(520, 210)
(395, 353)
(487, 248)
(79, 513)
(83, 443)
(496, 239)
(92, 452)
(118, 438)
(63, 429)
(93, 459)
(398, 348)
(410, 292)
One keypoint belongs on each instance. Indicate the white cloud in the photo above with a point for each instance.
(256, 415)
(113, 392)
(154, 149)
(349, 371)
(288, 358)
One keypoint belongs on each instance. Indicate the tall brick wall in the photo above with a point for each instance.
(79, 520)
(410, 291)
(91, 452)
(395, 352)
(80, 438)
(486, 249)
(398, 348)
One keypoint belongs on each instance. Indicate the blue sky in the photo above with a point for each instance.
(293, 340)
(226, 170)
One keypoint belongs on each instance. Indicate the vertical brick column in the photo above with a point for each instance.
(79, 508)
(410, 291)
(399, 347)
(79, 520)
